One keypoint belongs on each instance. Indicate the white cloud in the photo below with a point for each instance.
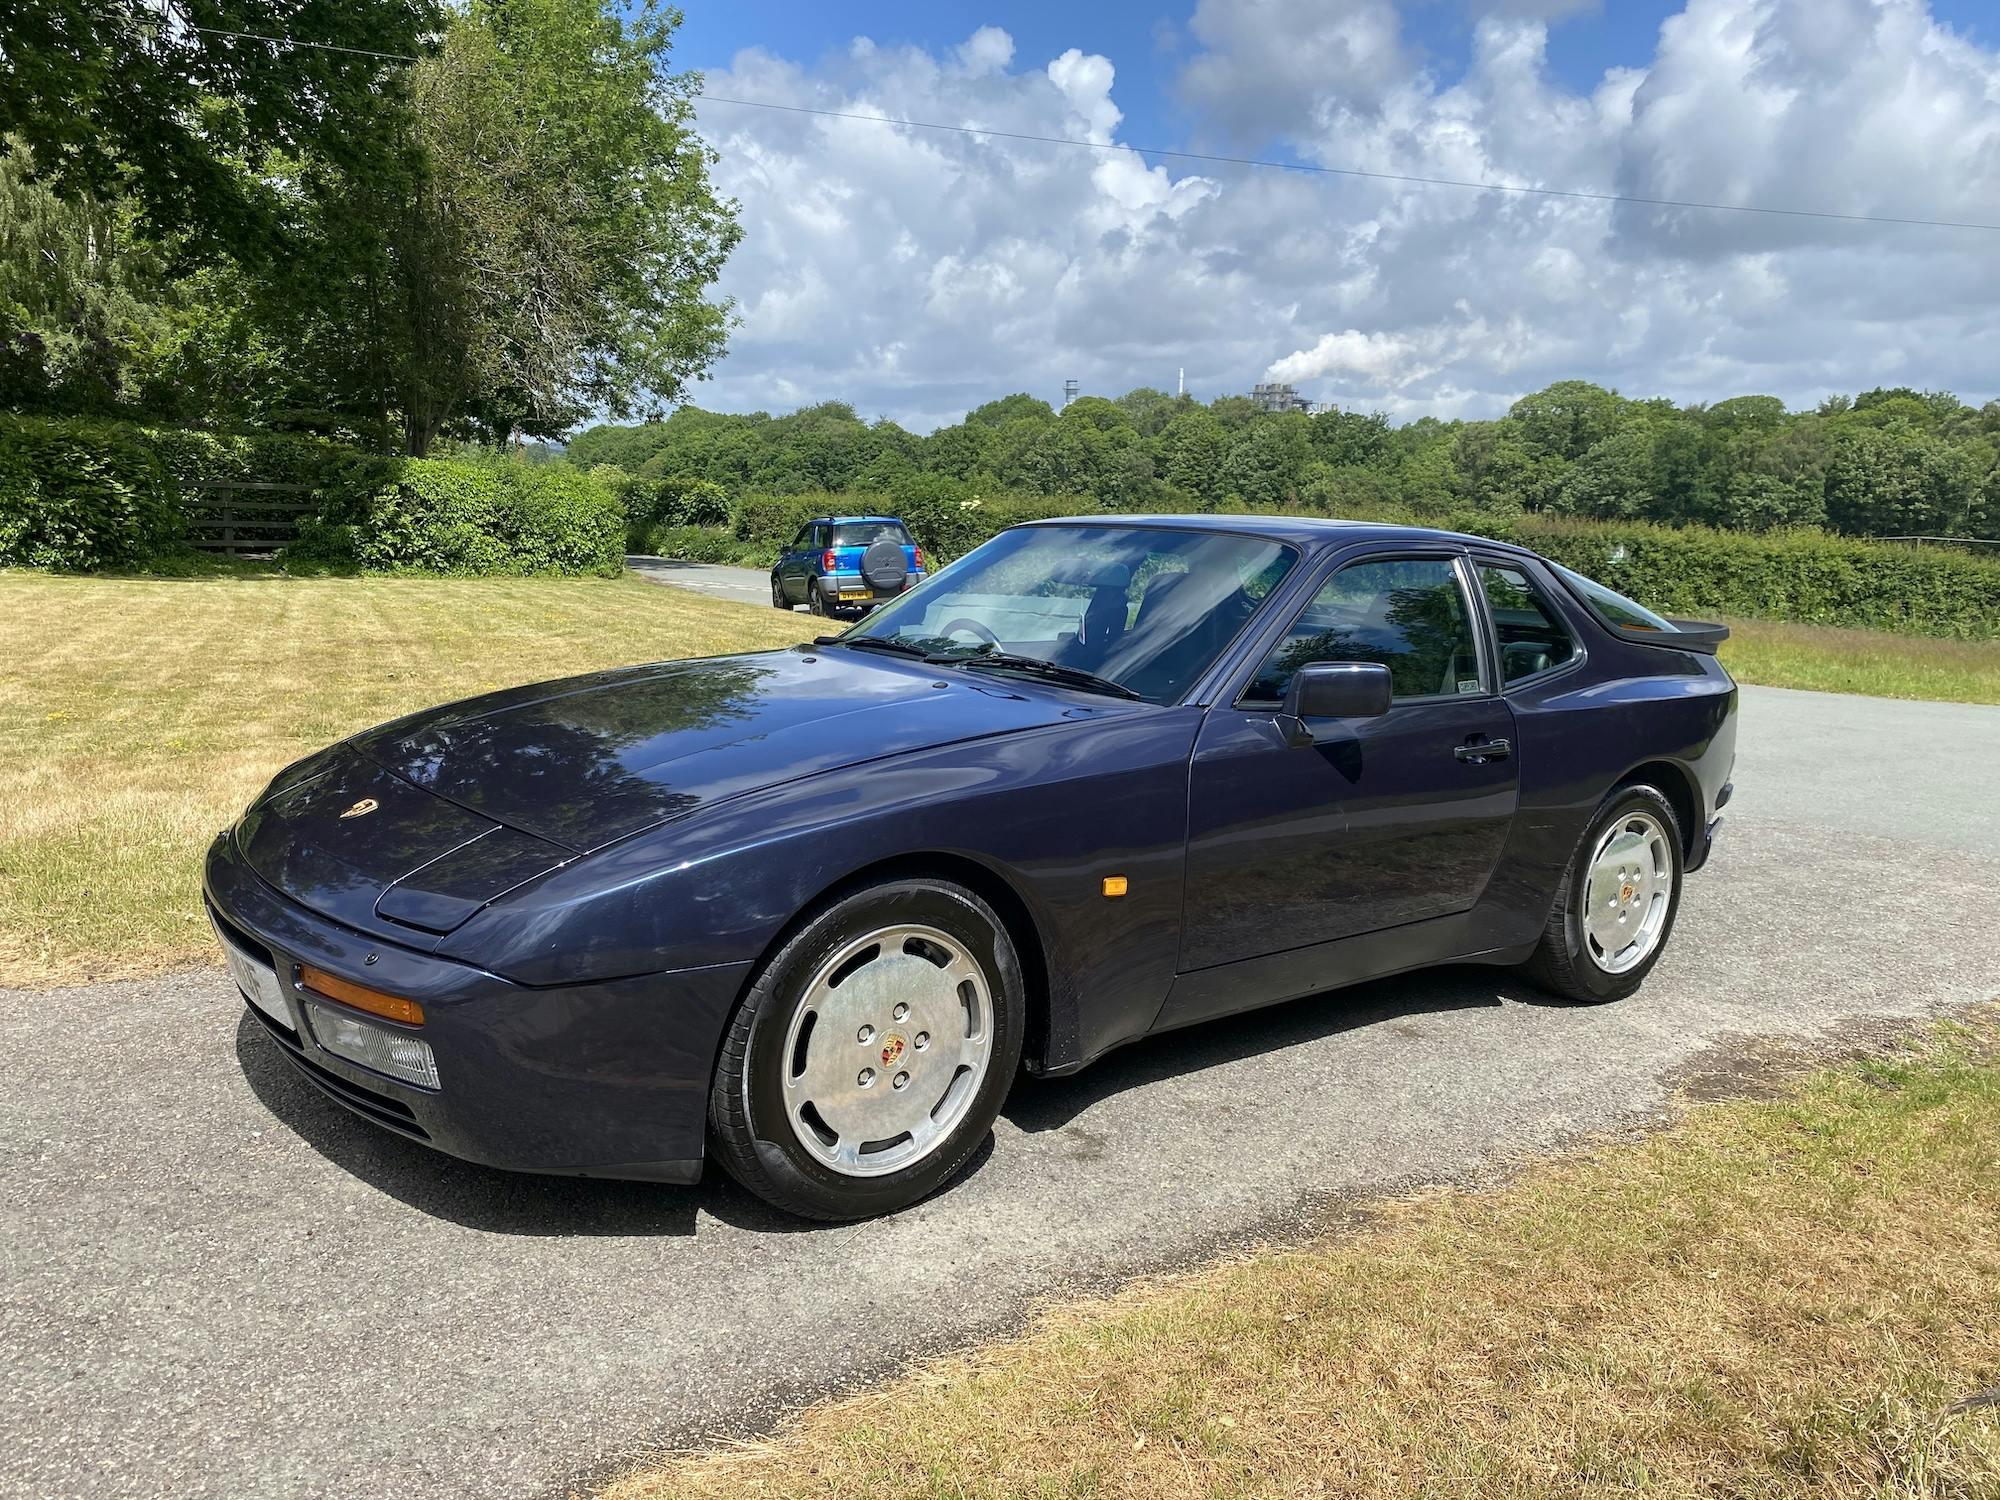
(987, 50)
(916, 273)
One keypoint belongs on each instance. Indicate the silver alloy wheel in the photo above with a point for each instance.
(886, 1050)
(1625, 900)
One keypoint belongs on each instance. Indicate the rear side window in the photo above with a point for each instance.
(1533, 637)
(1408, 613)
(866, 533)
(1613, 609)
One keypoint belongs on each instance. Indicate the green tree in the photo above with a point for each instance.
(1614, 479)
(1195, 447)
(1567, 419)
(1017, 407)
(1266, 464)
(545, 242)
(77, 286)
(127, 97)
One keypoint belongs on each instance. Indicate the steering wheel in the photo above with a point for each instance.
(976, 627)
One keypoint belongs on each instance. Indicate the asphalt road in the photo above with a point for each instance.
(214, 1283)
(744, 585)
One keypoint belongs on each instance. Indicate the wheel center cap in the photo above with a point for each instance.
(893, 1047)
(1626, 893)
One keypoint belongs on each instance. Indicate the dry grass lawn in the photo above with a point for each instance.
(1778, 1300)
(1831, 660)
(137, 716)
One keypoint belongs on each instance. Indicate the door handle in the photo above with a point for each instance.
(1481, 751)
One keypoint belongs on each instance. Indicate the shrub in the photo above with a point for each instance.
(709, 544)
(77, 494)
(652, 503)
(1807, 576)
(437, 515)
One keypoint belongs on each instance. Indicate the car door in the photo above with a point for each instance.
(1384, 821)
(792, 565)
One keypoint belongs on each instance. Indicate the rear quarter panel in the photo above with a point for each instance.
(1582, 731)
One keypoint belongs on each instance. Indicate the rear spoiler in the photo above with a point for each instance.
(1687, 635)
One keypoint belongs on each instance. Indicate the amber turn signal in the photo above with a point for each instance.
(1116, 885)
(333, 987)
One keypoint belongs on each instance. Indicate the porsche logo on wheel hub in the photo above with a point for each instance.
(1626, 893)
(362, 808)
(892, 1050)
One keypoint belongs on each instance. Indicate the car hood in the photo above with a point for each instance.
(475, 798)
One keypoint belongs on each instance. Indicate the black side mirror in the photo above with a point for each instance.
(1333, 690)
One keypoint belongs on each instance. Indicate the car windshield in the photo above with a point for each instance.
(1613, 608)
(1144, 610)
(864, 533)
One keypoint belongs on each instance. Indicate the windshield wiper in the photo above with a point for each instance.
(1054, 671)
(874, 643)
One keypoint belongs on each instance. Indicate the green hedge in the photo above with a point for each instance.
(81, 495)
(436, 515)
(88, 494)
(652, 503)
(946, 523)
(1808, 576)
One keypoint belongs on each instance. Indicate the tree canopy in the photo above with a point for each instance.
(513, 231)
(1884, 463)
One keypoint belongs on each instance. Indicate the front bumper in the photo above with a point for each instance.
(598, 1080)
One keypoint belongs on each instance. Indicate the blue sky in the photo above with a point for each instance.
(1147, 42)
(916, 274)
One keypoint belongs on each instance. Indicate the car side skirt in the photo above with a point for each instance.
(1228, 989)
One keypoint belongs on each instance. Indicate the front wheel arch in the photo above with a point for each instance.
(997, 890)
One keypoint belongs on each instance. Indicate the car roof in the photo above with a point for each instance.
(843, 520)
(1300, 531)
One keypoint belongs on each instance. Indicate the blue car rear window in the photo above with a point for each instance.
(865, 533)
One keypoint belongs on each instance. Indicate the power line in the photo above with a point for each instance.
(1405, 179)
(286, 41)
(1288, 166)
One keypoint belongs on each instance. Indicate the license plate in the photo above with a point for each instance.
(258, 981)
(849, 595)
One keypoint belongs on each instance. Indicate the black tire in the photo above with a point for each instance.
(815, 600)
(1563, 963)
(778, 599)
(749, 1132)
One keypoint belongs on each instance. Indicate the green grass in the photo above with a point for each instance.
(138, 715)
(1785, 1300)
(1776, 654)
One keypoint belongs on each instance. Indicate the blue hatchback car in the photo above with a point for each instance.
(846, 565)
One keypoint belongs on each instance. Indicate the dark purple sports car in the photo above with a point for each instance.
(810, 911)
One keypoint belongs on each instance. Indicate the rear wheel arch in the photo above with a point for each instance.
(1678, 786)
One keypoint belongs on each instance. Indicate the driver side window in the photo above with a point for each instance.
(1409, 613)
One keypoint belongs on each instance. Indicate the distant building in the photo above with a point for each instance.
(1279, 397)
(1069, 392)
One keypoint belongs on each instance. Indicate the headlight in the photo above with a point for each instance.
(394, 1053)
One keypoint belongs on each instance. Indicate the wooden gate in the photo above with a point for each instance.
(246, 516)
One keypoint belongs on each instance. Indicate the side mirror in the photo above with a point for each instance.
(1333, 690)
